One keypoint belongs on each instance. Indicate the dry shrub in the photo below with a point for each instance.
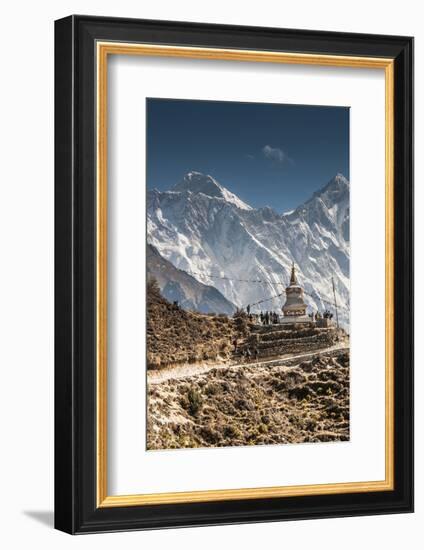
(252, 406)
(175, 336)
(153, 361)
(192, 403)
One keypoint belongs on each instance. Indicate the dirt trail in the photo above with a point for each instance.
(186, 371)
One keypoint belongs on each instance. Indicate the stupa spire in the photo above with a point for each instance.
(293, 278)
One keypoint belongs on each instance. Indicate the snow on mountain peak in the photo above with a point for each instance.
(196, 182)
(339, 182)
(235, 247)
(334, 192)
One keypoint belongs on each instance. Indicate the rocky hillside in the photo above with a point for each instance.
(177, 285)
(252, 405)
(177, 336)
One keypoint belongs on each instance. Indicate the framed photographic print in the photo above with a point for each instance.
(234, 274)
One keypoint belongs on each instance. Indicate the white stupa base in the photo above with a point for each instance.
(294, 319)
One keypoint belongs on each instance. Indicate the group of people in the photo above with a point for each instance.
(326, 315)
(269, 318)
(265, 318)
(273, 318)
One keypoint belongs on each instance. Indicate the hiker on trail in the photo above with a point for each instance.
(248, 309)
(235, 343)
(256, 353)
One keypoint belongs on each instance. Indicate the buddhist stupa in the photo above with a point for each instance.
(294, 309)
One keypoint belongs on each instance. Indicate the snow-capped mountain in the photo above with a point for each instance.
(196, 182)
(177, 285)
(247, 253)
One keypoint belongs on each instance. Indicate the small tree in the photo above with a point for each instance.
(239, 312)
(241, 322)
(195, 401)
(152, 286)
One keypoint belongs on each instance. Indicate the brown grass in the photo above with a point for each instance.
(176, 336)
(233, 406)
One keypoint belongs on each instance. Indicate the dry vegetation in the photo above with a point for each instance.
(227, 405)
(233, 406)
(176, 336)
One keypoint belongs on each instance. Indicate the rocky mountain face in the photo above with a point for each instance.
(178, 285)
(202, 228)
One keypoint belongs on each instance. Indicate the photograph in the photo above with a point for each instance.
(247, 274)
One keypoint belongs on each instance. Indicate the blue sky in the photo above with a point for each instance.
(267, 154)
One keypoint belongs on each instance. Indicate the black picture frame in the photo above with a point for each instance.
(76, 510)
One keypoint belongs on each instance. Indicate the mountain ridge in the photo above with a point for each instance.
(212, 235)
(196, 182)
(179, 286)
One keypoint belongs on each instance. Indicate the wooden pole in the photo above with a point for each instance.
(335, 302)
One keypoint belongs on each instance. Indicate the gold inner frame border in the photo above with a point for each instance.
(103, 50)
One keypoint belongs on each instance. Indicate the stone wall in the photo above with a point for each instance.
(273, 341)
